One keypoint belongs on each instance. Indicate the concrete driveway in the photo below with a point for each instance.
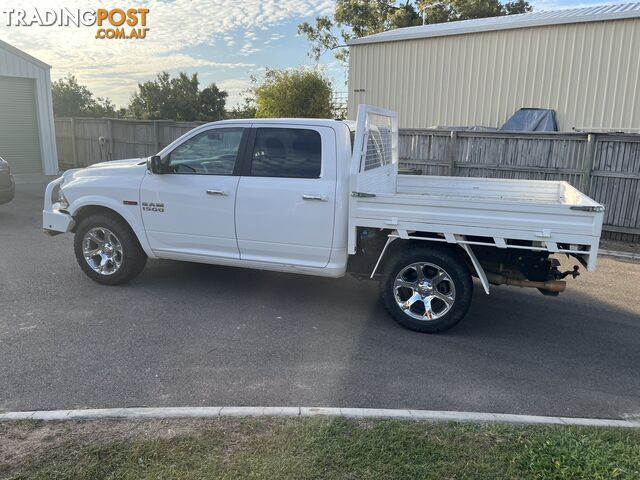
(192, 335)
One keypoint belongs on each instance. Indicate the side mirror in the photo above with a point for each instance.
(157, 165)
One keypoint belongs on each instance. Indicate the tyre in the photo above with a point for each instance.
(107, 250)
(427, 288)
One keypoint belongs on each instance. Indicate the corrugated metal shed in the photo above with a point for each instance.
(583, 63)
(532, 19)
(16, 64)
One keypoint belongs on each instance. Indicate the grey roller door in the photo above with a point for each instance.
(19, 140)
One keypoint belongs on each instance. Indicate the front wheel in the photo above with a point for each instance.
(107, 250)
(427, 288)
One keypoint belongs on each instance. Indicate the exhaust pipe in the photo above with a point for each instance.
(551, 286)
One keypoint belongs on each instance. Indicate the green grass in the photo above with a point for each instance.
(313, 448)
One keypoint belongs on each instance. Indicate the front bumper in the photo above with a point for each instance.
(54, 219)
(7, 193)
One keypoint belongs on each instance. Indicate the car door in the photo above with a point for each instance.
(191, 209)
(286, 196)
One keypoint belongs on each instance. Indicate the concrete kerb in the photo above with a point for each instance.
(380, 413)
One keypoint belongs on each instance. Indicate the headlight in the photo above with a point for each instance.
(57, 196)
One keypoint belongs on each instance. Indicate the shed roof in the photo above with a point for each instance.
(24, 55)
(533, 19)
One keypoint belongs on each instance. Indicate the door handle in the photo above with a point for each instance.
(217, 192)
(320, 198)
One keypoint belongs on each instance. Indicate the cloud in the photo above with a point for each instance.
(179, 30)
(229, 40)
(274, 38)
(235, 87)
(248, 49)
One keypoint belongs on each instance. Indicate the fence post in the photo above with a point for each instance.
(110, 133)
(589, 160)
(452, 152)
(156, 137)
(74, 147)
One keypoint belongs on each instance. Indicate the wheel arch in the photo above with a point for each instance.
(80, 212)
(463, 251)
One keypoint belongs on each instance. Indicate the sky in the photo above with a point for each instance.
(224, 41)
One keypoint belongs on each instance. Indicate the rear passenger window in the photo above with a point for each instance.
(286, 152)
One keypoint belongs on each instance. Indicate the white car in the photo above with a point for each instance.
(323, 197)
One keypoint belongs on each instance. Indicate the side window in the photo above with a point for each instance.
(286, 152)
(213, 152)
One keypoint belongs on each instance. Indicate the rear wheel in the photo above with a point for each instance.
(107, 250)
(427, 289)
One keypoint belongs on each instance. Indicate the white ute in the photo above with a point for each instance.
(305, 196)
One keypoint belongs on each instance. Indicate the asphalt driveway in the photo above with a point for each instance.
(192, 335)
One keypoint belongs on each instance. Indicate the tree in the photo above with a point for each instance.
(436, 11)
(516, 7)
(212, 102)
(359, 18)
(247, 109)
(177, 98)
(104, 107)
(70, 99)
(355, 19)
(299, 92)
